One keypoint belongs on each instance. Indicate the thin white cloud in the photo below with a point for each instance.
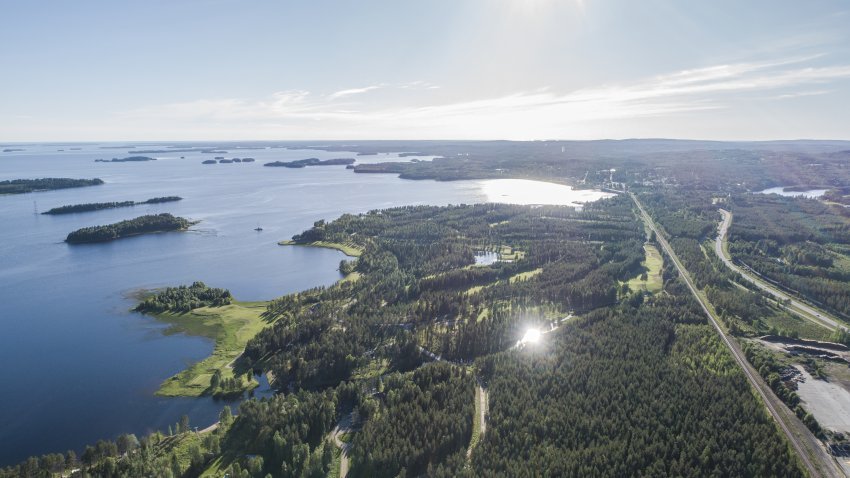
(534, 113)
(801, 94)
(353, 91)
(418, 85)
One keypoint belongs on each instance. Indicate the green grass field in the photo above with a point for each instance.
(231, 327)
(349, 249)
(476, 423)
(653, 264)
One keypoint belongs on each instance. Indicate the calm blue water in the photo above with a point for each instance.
(75, 365)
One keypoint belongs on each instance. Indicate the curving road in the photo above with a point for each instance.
(343, 426)
(801, 309)
(803, 442)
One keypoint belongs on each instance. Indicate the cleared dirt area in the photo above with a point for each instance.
(829, 402)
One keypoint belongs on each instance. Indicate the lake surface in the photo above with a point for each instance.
(527, 192)
(75, 364)
(811, 194)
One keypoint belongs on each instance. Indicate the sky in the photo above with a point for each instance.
(154, 70)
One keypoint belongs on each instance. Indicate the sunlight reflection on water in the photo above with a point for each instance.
(528, 192)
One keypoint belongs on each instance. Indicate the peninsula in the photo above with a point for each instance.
(128, 159)
(20, 186)
(301, 163)
(208, 312)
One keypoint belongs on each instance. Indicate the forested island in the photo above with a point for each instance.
(96, 206)
(162, 199)
(128, 159)
(185, 298)
(20, 186)
(141, 225)
(302, 163)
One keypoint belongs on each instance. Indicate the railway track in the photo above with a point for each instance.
(828, 467)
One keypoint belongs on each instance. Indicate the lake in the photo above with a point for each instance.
(77, 366)
(782, 191)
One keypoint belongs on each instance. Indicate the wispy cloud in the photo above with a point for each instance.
(353, 91)
(519, 114)
(802, 94)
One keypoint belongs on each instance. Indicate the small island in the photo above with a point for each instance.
(141, 225)
(162, 200)
(301, 163)
(128, 159)
(96, 206)
(12, 150)
(185, 298)
(20, 186)
(223, 160)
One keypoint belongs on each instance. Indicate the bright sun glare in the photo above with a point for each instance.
(532, 336)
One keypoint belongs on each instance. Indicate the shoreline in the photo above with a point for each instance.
(347, 249)
(230, 327)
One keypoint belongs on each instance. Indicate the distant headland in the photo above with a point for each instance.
(20, 186)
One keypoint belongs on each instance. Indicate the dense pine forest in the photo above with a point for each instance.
(615, 394)
(398, 348)
(802, 244)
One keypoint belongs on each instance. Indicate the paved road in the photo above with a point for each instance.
(801, 309)
(826, 465)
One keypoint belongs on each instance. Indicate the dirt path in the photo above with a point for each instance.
(812, 455)
(209, 428)
(481, 407)
(343, 426)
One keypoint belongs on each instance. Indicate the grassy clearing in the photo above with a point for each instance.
(349, 248)
(335, 464)
(789, 322)
(653, 264)
(512, 279)
(478, 288)
(353, 277)
(525, 275)
(507, 253)
(216, 468)
(476, 422)
(372, 369)
(231, 327)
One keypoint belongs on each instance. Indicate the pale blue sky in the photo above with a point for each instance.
(433, 69)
